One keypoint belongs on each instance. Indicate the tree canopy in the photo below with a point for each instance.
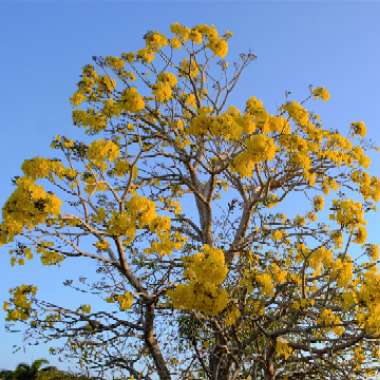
(230, 241)
(37, 371)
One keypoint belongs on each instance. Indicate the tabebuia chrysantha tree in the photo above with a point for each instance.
(229, 242)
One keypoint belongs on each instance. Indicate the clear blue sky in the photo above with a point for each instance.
(43, 45)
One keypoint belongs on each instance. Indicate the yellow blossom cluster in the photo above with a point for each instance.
(146, 55)
(278, 235)
(318, 202)
(92, 86)
(369, 186)
(331, 321)
(373, 251)
(266, 283)
(125, 300)
(28, 206)
(209, 34)
(167, 243)
(155, 41)
(321, 93)
(140, 213)
(163, 89)
(359, 128)
(297, 113)
(218, 46)
(102, 245)
(230, 125)
(49, 255)
(142, 210)
(86, 86)
(85, 308)
(189, 68)
(122, 224)
(205, 272)
(91, 119)
(282, 348)
(350, 214)
(38, 168)
(123, 167)
(342, 271)
(260, 148)
(20, 305)
(115, 62)
(368, 295)
(131, 100)
(102, 150)
(320, 257)
(263, 120)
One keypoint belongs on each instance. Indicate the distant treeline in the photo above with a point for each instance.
(39, 370)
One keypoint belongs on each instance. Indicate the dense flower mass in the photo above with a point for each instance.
(205, 272)
(230, 242)
(28, 206)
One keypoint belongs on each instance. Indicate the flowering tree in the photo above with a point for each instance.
(205, 267)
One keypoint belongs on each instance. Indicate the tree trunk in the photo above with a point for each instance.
(219, 364)
(153, 346)
(270, 373)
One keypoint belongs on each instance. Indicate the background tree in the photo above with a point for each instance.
(216, 256)
(25, 371)
(36, 371)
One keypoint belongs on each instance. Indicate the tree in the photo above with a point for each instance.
(35, 371)
(216, 258)
(25, 371)
(6, 375)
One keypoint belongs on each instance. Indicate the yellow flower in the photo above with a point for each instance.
(373, 251)
(219, 46)
(243, 164)
(175, 43)
(115, 62)
(196, 36)
(28, 206)
(282, 348)
(360, 235)
(359, 128)
(155, 41)
(266, 282)
(102, 150)
(261, 148)
(168, 78)
(277, 235)
(125, 300)
(39, 167)
(297, 112)
(131, 100)
(146, 55)
(129, 57)
(189, 69)
(321, 93)
(181, 31)
(254, 106)
(162, 91)
(77, 98)
(205, 272)
(318, 202)
(106, 83)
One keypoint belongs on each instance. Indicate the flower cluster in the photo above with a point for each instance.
(205, 272)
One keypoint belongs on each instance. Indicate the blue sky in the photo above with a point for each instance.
(45, 43)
